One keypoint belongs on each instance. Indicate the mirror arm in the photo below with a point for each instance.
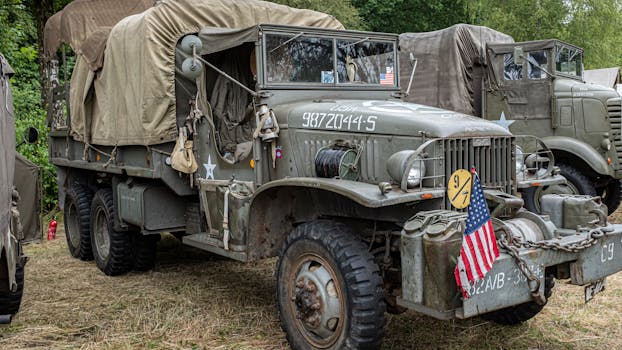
(413, 60)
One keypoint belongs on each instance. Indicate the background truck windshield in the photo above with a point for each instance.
(299, 58)
(568, 61)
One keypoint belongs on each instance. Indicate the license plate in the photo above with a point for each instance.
(593, 289)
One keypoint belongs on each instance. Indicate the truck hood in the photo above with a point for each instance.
(385, 117)
(581, 89)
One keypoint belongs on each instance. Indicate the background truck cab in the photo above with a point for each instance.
(531, 88)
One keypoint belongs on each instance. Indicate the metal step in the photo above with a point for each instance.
(207, 242)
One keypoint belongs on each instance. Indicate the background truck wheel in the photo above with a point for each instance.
(329, 290)
(577, 183)
(77, 217)
(145, 251)
(10, 301)
(611, 195)
(522, 312)
(112, 250)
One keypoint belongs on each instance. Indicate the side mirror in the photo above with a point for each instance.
(519, 56)
(31, 134)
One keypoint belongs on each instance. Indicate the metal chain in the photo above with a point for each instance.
(574, 247)
(533, 281)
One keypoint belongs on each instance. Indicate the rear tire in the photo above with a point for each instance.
(522, 312)
(11, 301)
(77, 218)
(329, 289)
(112, 250)
(145, 247)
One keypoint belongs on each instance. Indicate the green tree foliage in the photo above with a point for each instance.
(402, 16)
(595, 25)
(18, 43)
(344, 11)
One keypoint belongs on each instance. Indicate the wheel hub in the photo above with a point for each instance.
(317, 303)
(73, 225)
(308, 303)
(101, 234)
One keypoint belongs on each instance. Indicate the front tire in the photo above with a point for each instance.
(329, 289)
(112, 250)
(612, 195)
(577, 183)
(11, 301)
(77, 218)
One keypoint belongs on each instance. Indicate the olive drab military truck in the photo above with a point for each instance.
(256, 130)
(12, 259)
(531, 88)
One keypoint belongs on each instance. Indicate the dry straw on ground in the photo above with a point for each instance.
(195, 300)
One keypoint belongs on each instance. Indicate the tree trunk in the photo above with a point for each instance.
(41, 10)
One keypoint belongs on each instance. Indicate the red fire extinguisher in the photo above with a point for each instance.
(52, 229)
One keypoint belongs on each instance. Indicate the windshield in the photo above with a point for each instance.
(568, 61)
(300, 58)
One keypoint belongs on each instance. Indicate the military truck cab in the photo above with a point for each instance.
(290, 140)
(538, 87)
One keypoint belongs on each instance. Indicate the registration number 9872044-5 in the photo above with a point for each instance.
(339, 121)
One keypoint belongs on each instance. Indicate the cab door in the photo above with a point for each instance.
(523, 102)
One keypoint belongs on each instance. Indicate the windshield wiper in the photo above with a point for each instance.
(288, 41)
(354, 43)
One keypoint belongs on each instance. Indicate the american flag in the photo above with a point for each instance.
(387, 79)
(479, 245)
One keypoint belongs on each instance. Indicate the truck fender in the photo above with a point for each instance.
(365, 194)
(579, 149)
(277, 207)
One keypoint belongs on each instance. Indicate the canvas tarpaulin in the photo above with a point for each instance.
(7, 145)
(29, 205)
(449, 66)
(131, 100)
(81, 18)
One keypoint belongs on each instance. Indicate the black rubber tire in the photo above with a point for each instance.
(579, 184)
(353, 274)
(11, 301)
(145, 247)
(77, 216)
(119, 258)
(612, 195)
(522, 312)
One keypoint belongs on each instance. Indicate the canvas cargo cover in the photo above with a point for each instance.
(449, 66)
(29, 205)
(131, 100)
(608, 77)
(81, 18)
(7, 145)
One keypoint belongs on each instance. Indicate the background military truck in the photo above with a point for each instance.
(288, 139)
(12, 258)
(531, 88)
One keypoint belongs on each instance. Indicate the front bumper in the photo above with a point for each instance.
(433, 291)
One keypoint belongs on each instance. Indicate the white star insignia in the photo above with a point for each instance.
(209, 168)
(504, 122)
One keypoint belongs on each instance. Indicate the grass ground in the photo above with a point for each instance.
(195, 300)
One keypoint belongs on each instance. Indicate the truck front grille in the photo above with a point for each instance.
(491, 157)
(614, 110)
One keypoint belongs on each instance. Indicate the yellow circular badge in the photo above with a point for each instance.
(459, 188)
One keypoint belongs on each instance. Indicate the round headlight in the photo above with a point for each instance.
(406, 164)
(416, 173)
(520, 161)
